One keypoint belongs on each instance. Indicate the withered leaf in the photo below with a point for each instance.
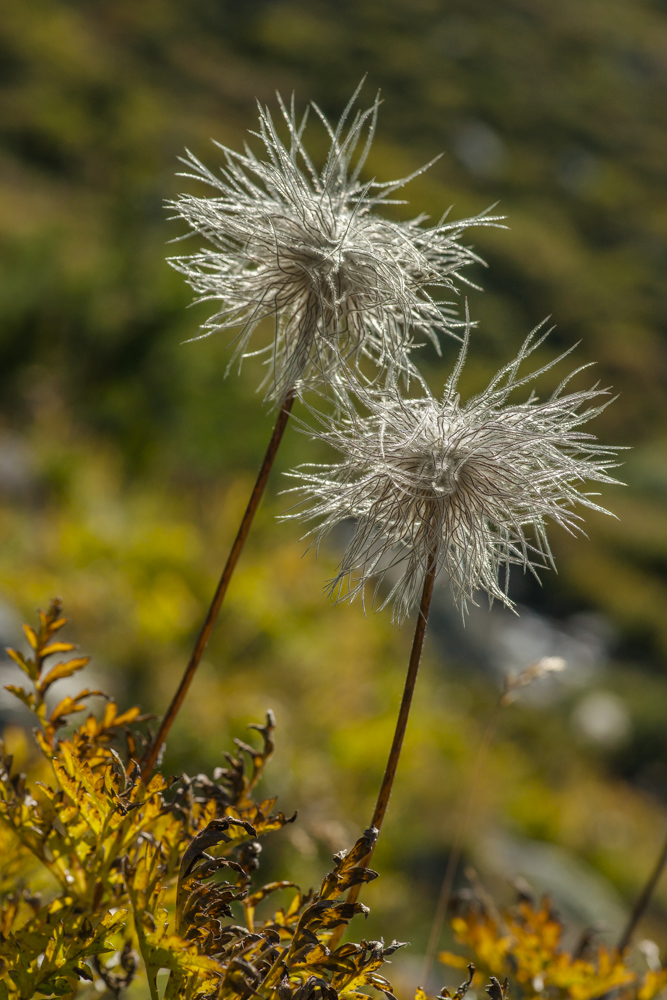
(462, 989)
(495, 990)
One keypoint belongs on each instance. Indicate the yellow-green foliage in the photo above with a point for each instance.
(524, 945)
(137, 877)
(131, 873)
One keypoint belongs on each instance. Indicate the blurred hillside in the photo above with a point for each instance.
(125, 456)
(557, 112)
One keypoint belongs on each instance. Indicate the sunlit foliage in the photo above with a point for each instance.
(524, 947)
(132, 879)
(131, 875)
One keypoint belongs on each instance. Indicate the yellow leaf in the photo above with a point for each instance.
(57, 647)
(69, 705)
(112, 921)
(44, 744)
(128, 716)
(63, 670)
(24, 696)
(28, 666)
(652, 984)
(31, 636)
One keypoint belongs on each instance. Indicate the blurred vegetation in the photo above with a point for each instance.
(125, 458)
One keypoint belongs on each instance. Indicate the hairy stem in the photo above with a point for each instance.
(151, 756)
(401, 726)
(643, 900)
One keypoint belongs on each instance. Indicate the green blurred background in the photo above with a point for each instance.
(126, 458)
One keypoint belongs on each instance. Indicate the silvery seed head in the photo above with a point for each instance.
(307, 249)
(470, 486)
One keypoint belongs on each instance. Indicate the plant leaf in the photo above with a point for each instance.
(31, 636)
(22, 695)
(57, 647)
(65, 669)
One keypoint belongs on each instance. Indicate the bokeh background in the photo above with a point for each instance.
(126, 458)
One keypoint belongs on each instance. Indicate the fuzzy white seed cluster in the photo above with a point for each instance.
(466, 487)
(308, 250)
(470, 485)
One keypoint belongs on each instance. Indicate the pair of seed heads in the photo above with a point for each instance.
(350, 292)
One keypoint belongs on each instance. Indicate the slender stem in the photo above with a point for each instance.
(406, 701)
(148, 763)
(399, 732)
(643, 900)
(457, 844)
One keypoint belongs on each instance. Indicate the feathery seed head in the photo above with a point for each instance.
(307, 249)
(471, 485)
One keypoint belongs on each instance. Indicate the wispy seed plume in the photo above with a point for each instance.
(308, 249)
(472, 484)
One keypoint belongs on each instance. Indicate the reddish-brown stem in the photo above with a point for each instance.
(401, 726)
(151, 756)
(643, 900)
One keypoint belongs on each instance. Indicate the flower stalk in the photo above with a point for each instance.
(401, 726)
(153, 752)
(406, 701)
(307, 249)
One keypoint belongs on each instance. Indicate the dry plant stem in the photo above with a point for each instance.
(455, 853)
(643, 900)
(406, 701)
(148, 763)
(401, 726)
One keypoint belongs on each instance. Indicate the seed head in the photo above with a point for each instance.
(307, 249)
(471, 485)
